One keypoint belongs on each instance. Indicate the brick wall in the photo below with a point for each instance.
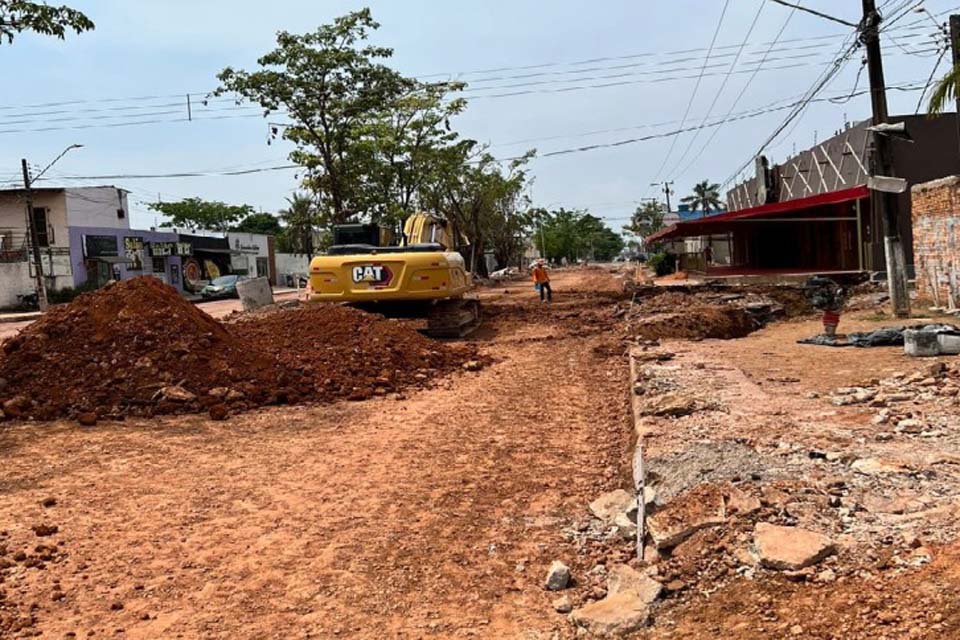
(936, 240)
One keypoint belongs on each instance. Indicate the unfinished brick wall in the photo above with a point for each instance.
(936, 240)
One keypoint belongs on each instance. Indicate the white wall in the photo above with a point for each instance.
(14, 280)
(291, 264)
(251, 246)
(97, 207)
(13, 214)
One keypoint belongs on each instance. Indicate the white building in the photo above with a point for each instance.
(55, 212)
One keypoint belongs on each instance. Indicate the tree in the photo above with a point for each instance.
(945, 90)
(301, 219)
(706, 196)
(479, 197)
(264, 223)
(337, 93)
(646, 220)
(194, 213)
(575, 234)
(17, 16)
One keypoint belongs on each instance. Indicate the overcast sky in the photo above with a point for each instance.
(551, 56)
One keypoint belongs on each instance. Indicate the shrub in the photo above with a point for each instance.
(662, 263)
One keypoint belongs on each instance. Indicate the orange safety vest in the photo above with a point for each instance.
(540, 275)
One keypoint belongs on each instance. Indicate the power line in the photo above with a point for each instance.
(926, 86)
(719, 92)
(696, 88)
(743, 91)
(824, 79)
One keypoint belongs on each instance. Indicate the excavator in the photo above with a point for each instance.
(420, 273)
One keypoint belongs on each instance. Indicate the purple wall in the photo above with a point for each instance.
(77, 260)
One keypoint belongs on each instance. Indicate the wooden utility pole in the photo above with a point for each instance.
(885, 204)
(955, 46)
(32, 229)
(666, 191)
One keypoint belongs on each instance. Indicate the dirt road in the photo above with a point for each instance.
(429, 515)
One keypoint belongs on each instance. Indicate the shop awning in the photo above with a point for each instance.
(712, 224)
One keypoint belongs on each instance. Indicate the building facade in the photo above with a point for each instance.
(816, 213)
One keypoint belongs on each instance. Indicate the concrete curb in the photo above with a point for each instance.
(639, 477)
(30, 316)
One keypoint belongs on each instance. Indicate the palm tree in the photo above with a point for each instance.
(300, 218)
(945, 90)
(706, 196)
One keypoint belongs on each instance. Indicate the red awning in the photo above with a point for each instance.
(697, 227)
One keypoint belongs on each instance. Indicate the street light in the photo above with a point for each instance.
(32, 226)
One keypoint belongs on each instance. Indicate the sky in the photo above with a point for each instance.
(557, 76)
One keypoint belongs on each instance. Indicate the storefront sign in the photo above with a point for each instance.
(98, 246)
(133, 251)
(164, 249)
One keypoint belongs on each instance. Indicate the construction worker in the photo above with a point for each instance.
(541, 280)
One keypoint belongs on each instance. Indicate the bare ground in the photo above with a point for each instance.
(430, 514)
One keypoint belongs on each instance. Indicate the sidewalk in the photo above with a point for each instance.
(20, 316)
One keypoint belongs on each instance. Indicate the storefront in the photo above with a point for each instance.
(99, 254)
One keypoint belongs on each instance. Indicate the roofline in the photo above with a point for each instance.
(773, 208)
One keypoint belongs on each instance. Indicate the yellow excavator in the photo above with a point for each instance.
(421, 273)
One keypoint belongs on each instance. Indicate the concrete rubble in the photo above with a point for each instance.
(790, 548)
(558, 576)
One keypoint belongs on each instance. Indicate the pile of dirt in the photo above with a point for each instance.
(329, 352)
(138, 348)
(696, 322)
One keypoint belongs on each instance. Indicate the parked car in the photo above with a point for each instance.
(222, 287)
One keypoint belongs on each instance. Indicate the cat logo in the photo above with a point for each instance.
(372, 274)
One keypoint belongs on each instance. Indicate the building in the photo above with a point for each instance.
(55, 212)
(814, 212)
(936, 241)
(85, 240)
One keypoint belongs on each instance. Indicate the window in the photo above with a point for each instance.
(159, 265)
(40, 224)
(121, 214)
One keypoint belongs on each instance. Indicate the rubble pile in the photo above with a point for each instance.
(921, 404)
(137, 348)
(719, 312)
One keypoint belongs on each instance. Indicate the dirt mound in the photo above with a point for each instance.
(696, 323)
(138, 348)
(331, 351)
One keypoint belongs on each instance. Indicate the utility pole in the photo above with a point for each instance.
(955, 46)
(32, 228)
(885, 204)
(667, 191)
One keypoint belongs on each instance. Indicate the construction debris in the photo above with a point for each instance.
(790, 548)
(558, 576)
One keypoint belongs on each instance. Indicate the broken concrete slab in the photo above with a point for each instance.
(608, 506)
(558, 576)
(669, 405)
(701, 507)
(622, 578)
(740, 503)
(626, 527)
(614, 616)
(790, 548)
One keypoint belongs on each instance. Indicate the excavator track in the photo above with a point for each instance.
(453, 318)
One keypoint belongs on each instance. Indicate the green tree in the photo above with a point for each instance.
(301, 221)
(336, 91)
(17, 16)
(195, 213)
(265, 223)
(479, 197)
(945, 91)
(575, 234)
(705, 196)
(646, 220)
